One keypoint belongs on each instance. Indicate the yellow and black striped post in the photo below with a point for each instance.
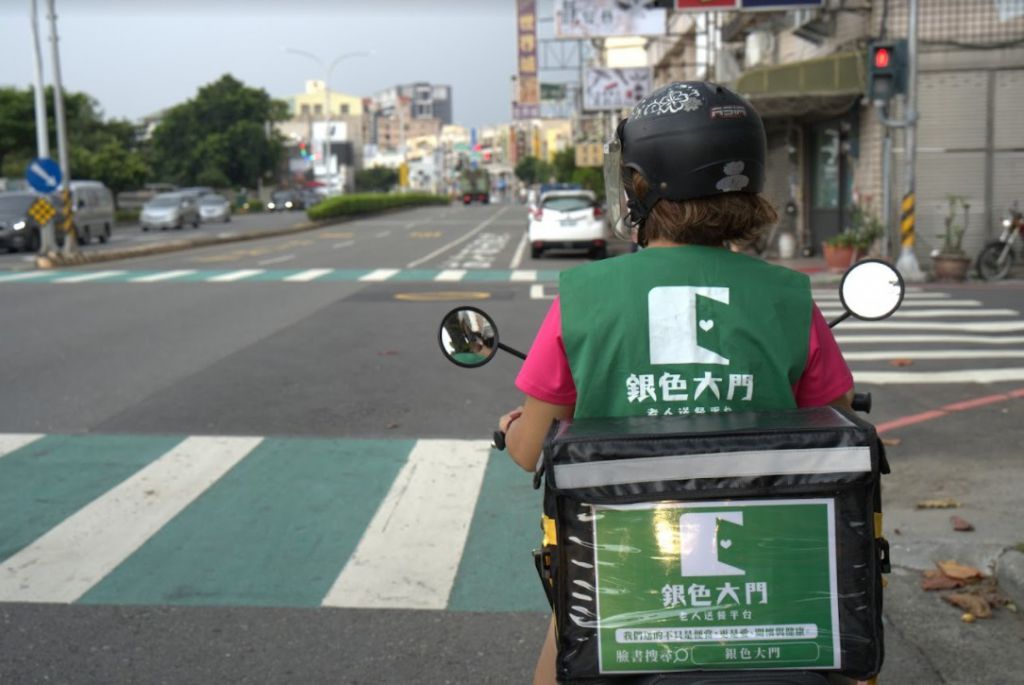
(907, 221)
(67, 220)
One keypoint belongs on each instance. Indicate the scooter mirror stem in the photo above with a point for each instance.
(842, 317)
(511, 350)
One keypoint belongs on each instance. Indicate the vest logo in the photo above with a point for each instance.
(672, 324)
(699, 544)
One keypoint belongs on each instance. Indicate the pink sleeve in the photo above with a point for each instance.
(545, 374)
(826, 375)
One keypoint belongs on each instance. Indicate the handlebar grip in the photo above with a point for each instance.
(499, 440)
(861, 402)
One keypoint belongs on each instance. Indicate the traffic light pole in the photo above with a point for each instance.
(907, 261)
(47, 238)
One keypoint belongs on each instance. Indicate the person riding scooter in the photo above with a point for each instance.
(686, 327)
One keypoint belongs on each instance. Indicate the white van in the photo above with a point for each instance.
(93, 210)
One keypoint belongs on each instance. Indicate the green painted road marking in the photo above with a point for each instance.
(415, 275)
(274, 531)
(50, 479)
(497, 572)
(271, 276)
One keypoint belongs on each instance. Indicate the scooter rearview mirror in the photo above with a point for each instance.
(871, 290)
(468, 337)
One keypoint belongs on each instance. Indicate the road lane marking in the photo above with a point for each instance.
(443, 296)
(384, 234)
(458, 241)
(929, 313)
(949, 408)
(163, 276)
(344, 243)
(232, 276)
(9, 442)
(308, 275)
(379, 275)
(70, 558)
(909, 295)
(921, 355)
(517, 257)
(24, 276)
(524, 276)
(451, 275)
(958, 339)
(277, 260)
(409, 555)
(92, 276)
(960, 376)
(537, 292)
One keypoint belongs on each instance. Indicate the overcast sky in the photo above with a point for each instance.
(139, 56)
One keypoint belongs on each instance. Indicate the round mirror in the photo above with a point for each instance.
(871, 290)
(468, 337)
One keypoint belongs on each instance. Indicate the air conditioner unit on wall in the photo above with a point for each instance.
(813, 25)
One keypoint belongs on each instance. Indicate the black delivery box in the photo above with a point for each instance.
(717, 542)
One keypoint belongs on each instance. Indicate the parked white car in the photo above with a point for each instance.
(568, 220)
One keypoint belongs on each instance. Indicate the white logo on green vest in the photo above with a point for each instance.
(672, 324)
(698, 543)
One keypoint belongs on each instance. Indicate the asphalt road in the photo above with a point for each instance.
(239, 448)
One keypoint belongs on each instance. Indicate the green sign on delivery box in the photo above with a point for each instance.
(716, 585)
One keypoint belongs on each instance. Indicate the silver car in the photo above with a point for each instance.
(169, 210)
(214, 208)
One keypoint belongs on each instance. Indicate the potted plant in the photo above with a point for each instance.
(950, 263)
(839, 250)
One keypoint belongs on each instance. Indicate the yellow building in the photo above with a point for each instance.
(313, 103)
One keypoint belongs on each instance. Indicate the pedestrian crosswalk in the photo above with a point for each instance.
(935, 337)
(68, 276)
(260, 521)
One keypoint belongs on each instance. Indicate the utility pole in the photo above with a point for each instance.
(47, 238)
(70, 239)
(882, 87)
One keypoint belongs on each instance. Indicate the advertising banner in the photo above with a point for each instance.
(575, 19)
(614, 89)
(716, 585)
(527, 104)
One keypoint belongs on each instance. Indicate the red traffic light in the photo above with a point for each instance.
(882, 57)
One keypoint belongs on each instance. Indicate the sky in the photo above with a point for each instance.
(137, 57)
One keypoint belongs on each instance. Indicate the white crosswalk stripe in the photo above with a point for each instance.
(233, 276)
(933, 338)
(163, 276)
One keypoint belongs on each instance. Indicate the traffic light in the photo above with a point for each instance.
(887, 69)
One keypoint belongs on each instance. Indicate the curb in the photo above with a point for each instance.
(1010, 575)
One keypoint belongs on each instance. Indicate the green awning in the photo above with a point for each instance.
(825, 85)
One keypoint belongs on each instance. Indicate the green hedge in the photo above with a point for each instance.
(365, 203)
(127, 216)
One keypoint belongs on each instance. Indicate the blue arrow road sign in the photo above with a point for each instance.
(43, 174)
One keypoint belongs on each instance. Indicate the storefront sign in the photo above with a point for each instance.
(527, 104)
(716, 585)
(577, 19)
(614, 89)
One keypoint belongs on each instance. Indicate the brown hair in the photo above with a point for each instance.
(711, 221)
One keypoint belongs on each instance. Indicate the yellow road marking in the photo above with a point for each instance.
(336, 234)
(425, 234)
(443, 296)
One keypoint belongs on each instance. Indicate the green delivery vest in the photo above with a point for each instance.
(676, 331)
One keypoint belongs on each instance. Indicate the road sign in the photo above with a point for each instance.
(42, 211)
(43, 174)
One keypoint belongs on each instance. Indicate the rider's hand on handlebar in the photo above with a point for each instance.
(507, 419)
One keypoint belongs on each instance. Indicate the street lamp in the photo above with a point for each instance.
(327, 90)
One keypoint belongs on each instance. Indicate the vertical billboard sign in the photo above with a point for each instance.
(576, 19)
(527, 104)
(615, 89)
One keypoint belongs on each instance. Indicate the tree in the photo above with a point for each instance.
(376, 179)
(532, 170)
(222, 134)
(564, 164)
(106, 151)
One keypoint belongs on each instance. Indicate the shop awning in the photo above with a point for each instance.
(825, 86)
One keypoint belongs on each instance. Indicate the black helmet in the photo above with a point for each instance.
(692, 139)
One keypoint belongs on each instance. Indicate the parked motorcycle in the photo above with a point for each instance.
(718, 548)
(995, 260)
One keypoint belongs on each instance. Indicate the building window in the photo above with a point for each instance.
(344, 109)
(318, 109)
(305, 110)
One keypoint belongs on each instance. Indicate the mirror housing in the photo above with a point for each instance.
(872, 290)
(468, 337)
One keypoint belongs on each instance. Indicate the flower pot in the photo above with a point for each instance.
(838, 257)
(950, 267)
